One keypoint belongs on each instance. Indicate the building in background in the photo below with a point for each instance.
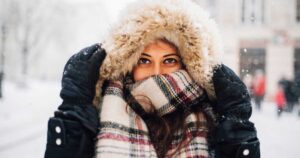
(259, 35)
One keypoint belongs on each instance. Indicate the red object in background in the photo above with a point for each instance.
(280, 98)
(259, 87)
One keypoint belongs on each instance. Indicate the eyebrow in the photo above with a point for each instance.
(146, 54)
(171, 54)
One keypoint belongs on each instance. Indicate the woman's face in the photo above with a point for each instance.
(157, 58)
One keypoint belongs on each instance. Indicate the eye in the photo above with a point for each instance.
(170, 61)
(143, 61)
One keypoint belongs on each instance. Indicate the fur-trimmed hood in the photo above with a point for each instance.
(182, 22)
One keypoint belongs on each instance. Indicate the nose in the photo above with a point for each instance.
(157, 69)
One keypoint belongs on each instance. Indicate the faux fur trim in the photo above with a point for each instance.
(182, 22)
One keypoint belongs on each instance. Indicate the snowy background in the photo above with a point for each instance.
(51, 31)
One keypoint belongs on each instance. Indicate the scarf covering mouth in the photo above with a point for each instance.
(167, 92)
(123, 131)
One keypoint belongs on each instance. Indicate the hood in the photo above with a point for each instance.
(182, 22)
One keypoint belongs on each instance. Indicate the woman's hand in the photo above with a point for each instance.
(235, 135)
(80, 75)
(72, 130)
(231, 93)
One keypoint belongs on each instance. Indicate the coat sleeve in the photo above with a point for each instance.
(69, 137)
(236, 137)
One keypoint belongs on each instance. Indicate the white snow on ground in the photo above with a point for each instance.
(24, 114)
(23, 118)
(279, 137)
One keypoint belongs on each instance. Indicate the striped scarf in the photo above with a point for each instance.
(123, 127)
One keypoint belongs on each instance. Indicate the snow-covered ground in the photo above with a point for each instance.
(23, 118)
(24, 114)
(279, 137)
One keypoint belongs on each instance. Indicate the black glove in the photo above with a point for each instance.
(235, 135)
(231, 94)
(81, 74)
(77, 119)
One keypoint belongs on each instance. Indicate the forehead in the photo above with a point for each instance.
(160, 46)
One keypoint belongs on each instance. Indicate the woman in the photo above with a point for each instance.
(142, 114)
(171, 44)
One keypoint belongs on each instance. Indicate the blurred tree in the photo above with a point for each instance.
(2, 51)
(24, 28)
(4, 21)
(27, 25)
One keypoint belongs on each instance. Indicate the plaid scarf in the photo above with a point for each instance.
(123, 127)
